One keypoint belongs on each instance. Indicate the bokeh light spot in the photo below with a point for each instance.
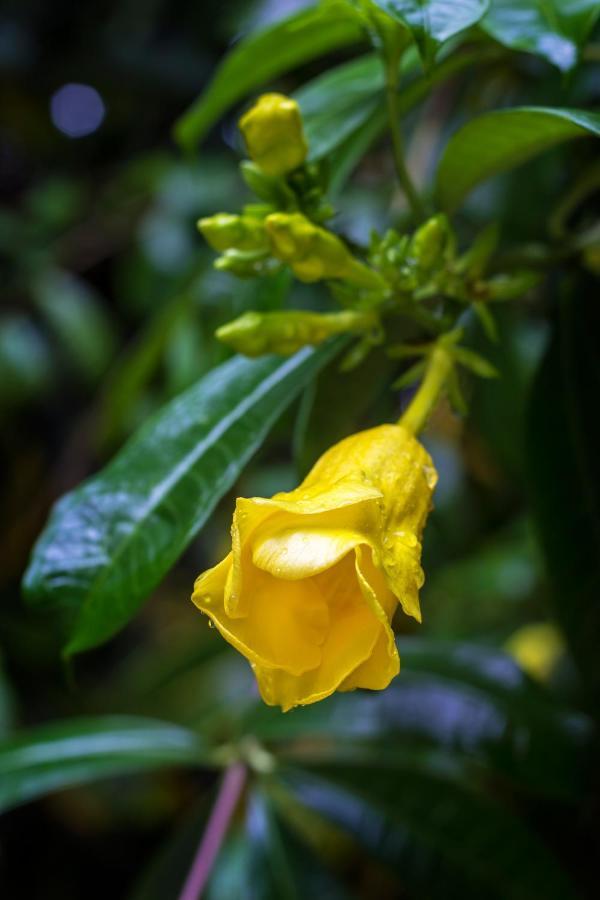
(77, 109)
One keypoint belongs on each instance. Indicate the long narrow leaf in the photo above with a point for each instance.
(77, 751)
(109, 542)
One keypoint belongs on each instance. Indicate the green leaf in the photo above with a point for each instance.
(476, 363)
(339, 102)
(498, 721)
(109, 542)
(261, 57)
(346, 154)
(501, 140)
(263, 859)
(429, 825)
(77, 319)
(563, 448)
(73, 752)
(553, 29)
(432, 22)
(412, 374)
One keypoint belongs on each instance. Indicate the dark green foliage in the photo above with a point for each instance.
(466, 778)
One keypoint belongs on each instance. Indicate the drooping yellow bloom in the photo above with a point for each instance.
(274, 135)
(315, 575)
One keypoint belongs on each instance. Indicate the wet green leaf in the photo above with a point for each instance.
(503, 139)
(261, 57)
(77, 751)
(432, 22)
(553, 29)
(109, 542)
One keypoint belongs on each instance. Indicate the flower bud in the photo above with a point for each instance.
(227, 232)
(256, 333)
(273, 133)
(243, 263)
(429, 243)
(314, 253)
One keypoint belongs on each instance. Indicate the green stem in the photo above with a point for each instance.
(422, 404)
(391, 95)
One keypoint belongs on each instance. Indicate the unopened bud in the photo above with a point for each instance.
(256, 333)
(244, 264)
(429, 243)
(274, 135)
(225, 231)
(313, 253)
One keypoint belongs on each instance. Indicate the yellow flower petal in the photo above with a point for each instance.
(286, 623)
(353, 632)
(295, 554)
(376, 672)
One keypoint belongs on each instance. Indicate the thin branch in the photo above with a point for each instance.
(215, 831)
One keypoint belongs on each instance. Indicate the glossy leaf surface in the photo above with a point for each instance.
(77, 751)
(501, 140)
(432, 22)
(263, 56)
(553, 29)
(109, 542)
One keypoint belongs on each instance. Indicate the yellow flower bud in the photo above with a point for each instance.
(225, 231)
(273, 133)
(313, 253)
(256, 333)
(315, 575)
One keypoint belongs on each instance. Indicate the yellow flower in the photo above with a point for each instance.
(315, 575)
(537, 648)
(273, 133)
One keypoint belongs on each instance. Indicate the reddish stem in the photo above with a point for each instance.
(215, 831)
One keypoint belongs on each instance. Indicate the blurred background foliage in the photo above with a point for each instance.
(469, 777)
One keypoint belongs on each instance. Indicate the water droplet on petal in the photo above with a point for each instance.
(430, 476)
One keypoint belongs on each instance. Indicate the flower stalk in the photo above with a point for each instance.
(227, 800)
(439, 370)
(391, 95)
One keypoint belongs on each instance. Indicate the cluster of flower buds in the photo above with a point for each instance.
(427, 265)
(415, 264)
(287, 226)
(403, 273)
